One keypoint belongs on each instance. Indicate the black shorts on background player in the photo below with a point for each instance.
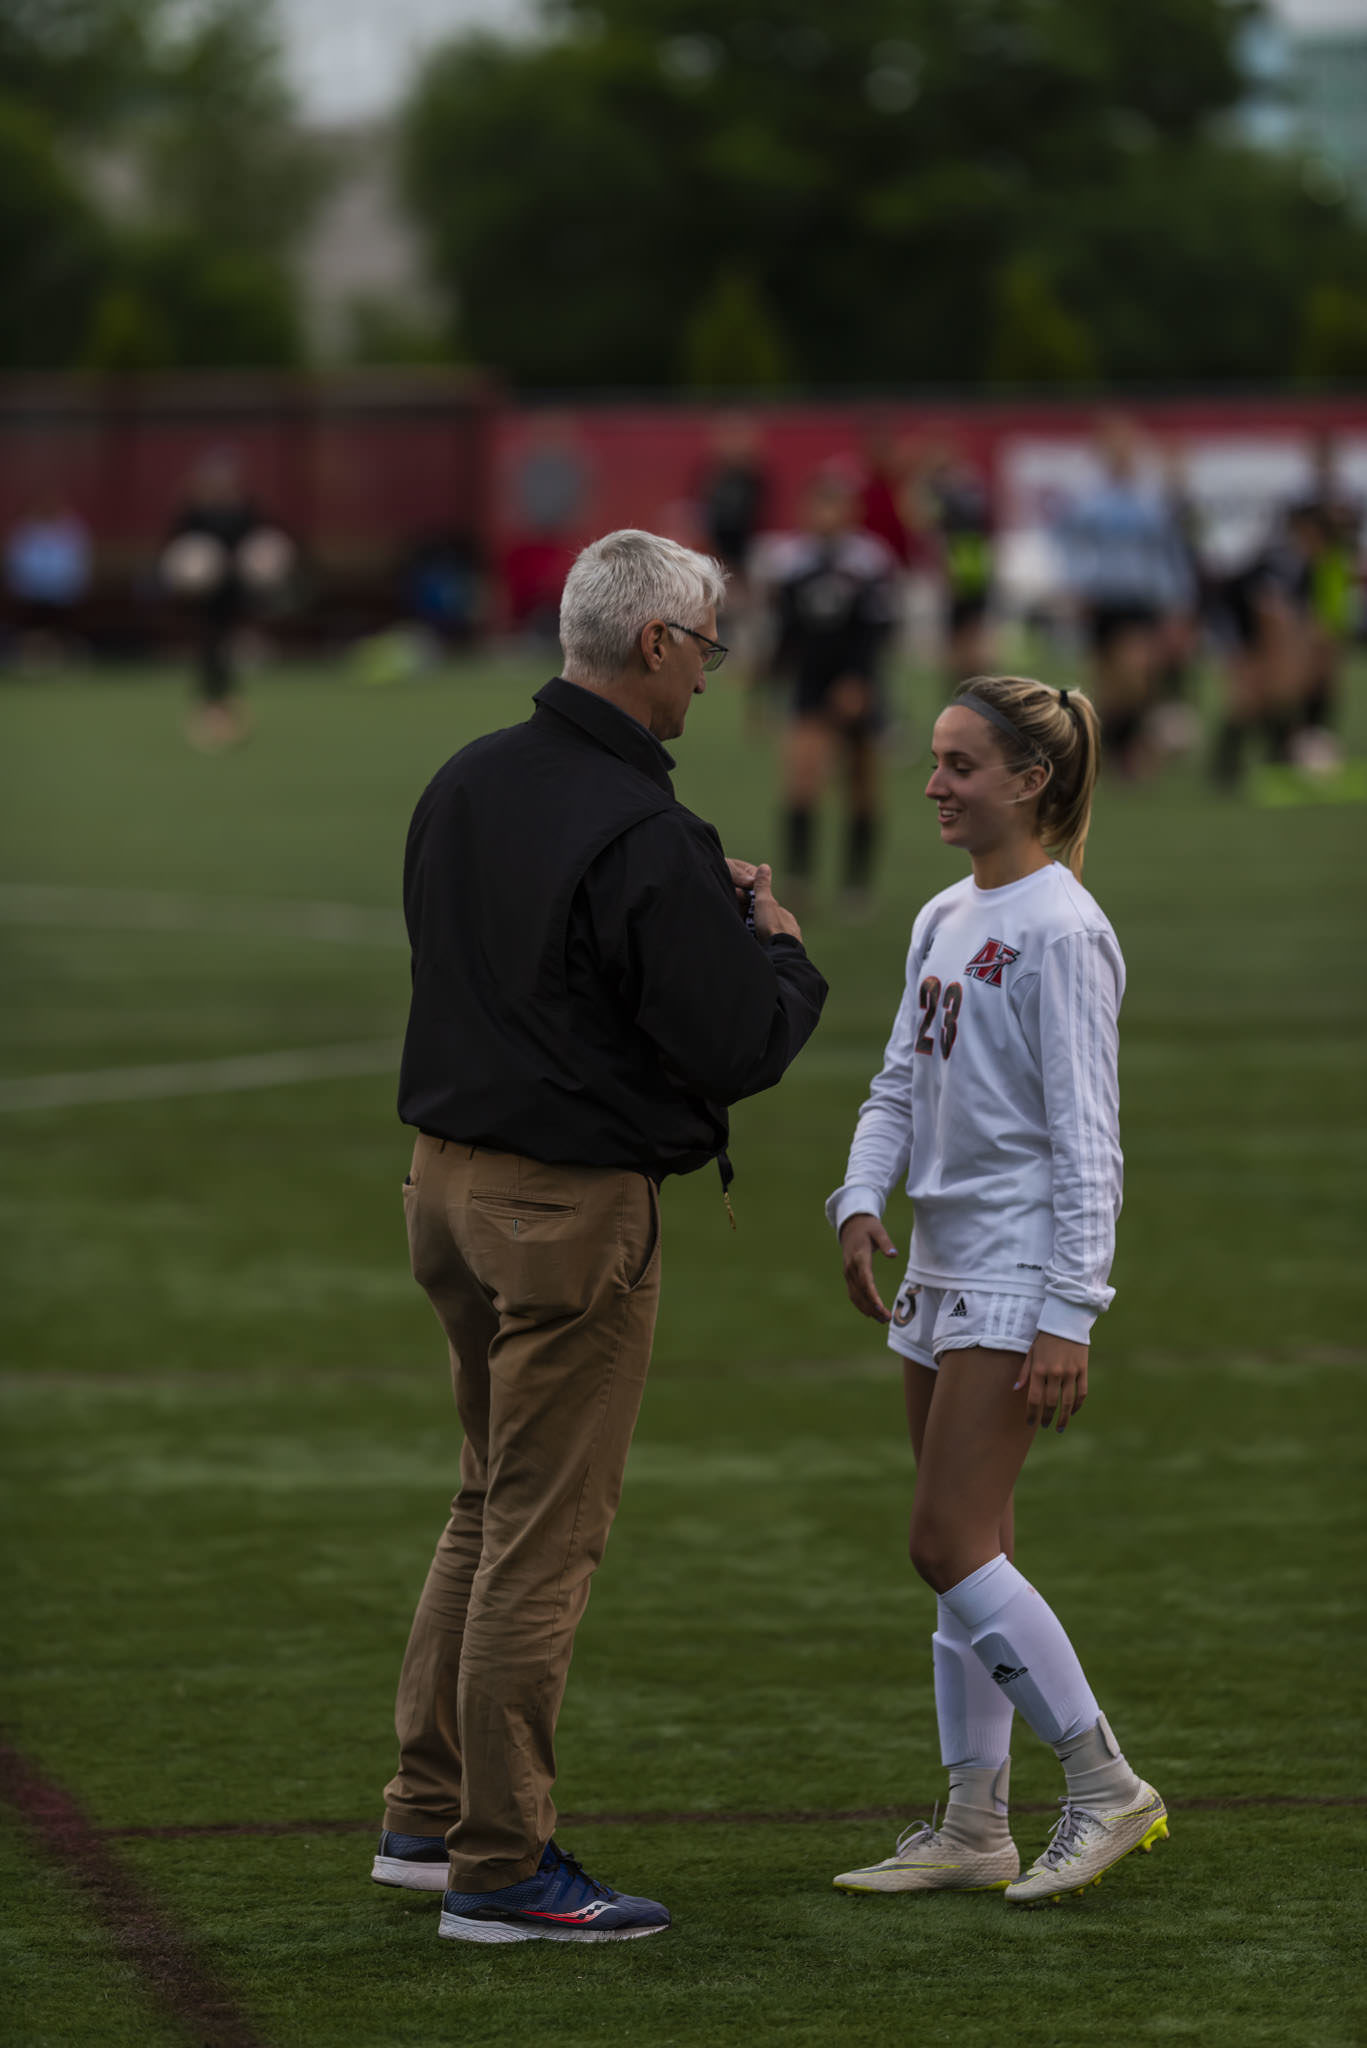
(1107, 623)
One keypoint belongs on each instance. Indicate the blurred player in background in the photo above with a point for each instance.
(221, 555)
(1332, 525)
(733, 493)
(833, 590)
(889, 504)
(1174, 725)
(997, 1104)
(1126, 569)
(1266, 615)
(47, 568)
(960, 510)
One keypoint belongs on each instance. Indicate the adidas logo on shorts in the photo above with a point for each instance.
(1004, 1673)
(960, 1307)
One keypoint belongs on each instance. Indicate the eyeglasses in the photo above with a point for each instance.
(716, 653)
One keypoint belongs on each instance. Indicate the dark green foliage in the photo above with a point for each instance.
(733, 340)
(181, 303)
(54, 249)
(1035, 340)
(153, 187)
(1013, 190)
(80, 63)
(1334, 335)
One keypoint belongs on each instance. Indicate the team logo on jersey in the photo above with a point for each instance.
(987, 963)
(904, 1308)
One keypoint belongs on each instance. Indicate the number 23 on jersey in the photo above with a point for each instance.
(948, 1003)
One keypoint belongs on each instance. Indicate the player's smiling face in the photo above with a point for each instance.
(975, 794)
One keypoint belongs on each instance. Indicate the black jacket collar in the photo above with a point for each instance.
(616, 730)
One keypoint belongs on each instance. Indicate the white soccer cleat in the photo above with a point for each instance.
(1084, 1844)
(924, 1861)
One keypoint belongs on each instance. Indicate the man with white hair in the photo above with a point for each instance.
(588, 999)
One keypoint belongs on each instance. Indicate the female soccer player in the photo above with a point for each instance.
(997, 1101)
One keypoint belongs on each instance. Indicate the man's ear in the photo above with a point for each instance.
(653, 641)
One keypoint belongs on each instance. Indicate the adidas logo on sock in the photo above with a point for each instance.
(1004, 1673)
(960, 1307)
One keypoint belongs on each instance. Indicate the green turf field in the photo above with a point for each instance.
(228, 1444)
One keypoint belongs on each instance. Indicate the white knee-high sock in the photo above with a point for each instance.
(1020, 1643)
(974, 1714)
(975, 1719)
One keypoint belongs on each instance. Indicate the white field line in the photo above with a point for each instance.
(235, 1076)
(149, 910)
(155, 910)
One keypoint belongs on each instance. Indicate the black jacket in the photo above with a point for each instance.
(584, 990)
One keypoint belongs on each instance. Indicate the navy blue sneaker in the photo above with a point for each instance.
(417, 1862)
(561, 1903)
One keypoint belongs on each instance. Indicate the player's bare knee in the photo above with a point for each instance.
(932, 1552)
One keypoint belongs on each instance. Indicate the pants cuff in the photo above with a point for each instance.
(404, 1821)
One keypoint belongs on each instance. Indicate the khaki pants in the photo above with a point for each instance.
(546, 1280)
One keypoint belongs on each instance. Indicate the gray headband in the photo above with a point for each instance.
(998, 718)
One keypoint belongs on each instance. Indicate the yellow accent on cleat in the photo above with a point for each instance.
(1085, 1843)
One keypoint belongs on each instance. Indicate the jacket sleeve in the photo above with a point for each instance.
(727, 1012)
(880, 1151)
(1082, 979)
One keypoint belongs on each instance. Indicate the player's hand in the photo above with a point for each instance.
(1053, 1377)
(770, 917)
(860, 1237)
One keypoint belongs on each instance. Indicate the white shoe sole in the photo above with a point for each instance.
(976, 1874)
(410, 1877)
(455, 1927)
(855, 1881)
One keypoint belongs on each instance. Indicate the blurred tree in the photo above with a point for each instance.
(380, 332)
(732, 340)
(923, 192)
(177, 303)
(1333, 344)
(79, 64)
(128, 331)
(153, 185)
(53, 248)
(1195, 261)
(221, 155)
(1035, 339)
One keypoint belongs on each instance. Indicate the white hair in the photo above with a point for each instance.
(621, 582)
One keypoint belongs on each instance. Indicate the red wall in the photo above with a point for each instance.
(643, 459)
(359, 465)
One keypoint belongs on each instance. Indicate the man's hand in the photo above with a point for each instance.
(743, 881)
(860, 1237)
(1054, 1376)
(770, 917)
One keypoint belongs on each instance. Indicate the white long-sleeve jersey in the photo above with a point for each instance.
(998, 1098)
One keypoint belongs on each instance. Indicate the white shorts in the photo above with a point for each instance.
(927, 1321)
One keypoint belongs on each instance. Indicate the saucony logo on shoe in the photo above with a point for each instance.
(580, 1917)
(1004, 1673)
